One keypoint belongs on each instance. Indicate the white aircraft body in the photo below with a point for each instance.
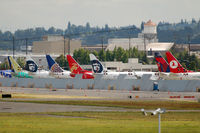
(98, 68)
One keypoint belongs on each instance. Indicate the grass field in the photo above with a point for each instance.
(98, 122)
(135, 104)
(103, 122)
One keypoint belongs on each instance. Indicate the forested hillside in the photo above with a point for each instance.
(179, 32)
(167, 32)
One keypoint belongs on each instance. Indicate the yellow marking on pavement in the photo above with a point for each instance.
(19, 95)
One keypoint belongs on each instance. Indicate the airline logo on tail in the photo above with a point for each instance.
(96, 64)
(31, 66)
(96, 67)
(173, 64)
(53, 66)
(56, 68)
(74, 67)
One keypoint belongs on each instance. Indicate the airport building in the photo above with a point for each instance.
(53, 44)
(132, 65)
(190, 48)
(146, 41)
(92, 48)
(194, 49)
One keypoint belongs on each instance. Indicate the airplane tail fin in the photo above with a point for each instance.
(14, 64)
(9, 63)
(97, 67)
(162, 64)
(31, 66)
(74, 66)
(174, 64)
(53, 66)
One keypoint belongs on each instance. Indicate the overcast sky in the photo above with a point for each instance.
(22, 14)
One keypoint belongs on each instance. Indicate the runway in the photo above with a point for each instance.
(77, 94)
(20, 107)
(41, 94)
(16, 107)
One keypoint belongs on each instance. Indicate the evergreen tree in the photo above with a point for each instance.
(62, 61)
(142, 26)
(125, 57)
(69, 26)
(145, 59)
(109, 56)
(119, 53)
(87, 26)
(102, 55)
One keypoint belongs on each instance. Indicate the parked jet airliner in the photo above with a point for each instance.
(18, 72)
(56, 70)
(75, 68)
(173, 69)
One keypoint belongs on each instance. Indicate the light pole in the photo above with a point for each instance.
(26, 39)
(159, 123)
(13, 46)
(154, 112)
(189, 44)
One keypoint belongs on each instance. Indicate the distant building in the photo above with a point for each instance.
(132, 65)
(194, 49)
(55, 44)
(180, 47)
(146, 41)
(23, 48)
(92, 48)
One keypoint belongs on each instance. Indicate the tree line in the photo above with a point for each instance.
(191, 62)
(118, 54)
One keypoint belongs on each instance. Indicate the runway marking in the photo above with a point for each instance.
(181, 99)
(19, 95)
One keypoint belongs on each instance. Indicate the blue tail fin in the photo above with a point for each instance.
(31, 65)
(162, 64)
(53, 66)
(97, 67)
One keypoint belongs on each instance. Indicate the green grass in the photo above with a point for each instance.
(98, 122)
(124, 104)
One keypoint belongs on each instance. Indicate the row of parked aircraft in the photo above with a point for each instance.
(173, 69)
(31, 69)
(167, 70)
